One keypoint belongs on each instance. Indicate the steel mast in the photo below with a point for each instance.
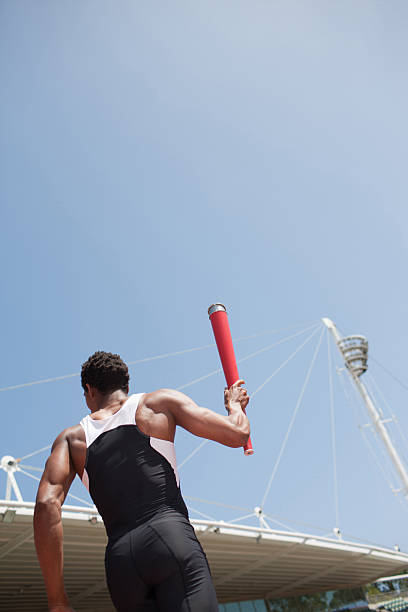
(354, 350)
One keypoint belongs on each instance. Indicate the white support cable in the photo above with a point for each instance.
(209, 518)
(281, 341)
(30, 467)
(172, 354)
(207, 346)
(354, 538)
(197, 380)
(29, 475)
(215, 503)
(145, 359)
(302, 523)
(75, 374)
(200, 446)
(308, 525)
(269, 516)
(393, 415)
(274, 331)
(84, 501)
(333, 433)
(274, 520)
(40, 450)
(247, 357)
(291, 356)
(39, 382)
(205, 442)
(242, 518)
(402, 502)
(400, 382)
(275, 468)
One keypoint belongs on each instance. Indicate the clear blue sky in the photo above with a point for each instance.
(156, 158)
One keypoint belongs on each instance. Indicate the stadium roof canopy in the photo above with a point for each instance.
(246, 562)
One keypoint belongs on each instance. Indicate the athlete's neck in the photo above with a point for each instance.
(103, 405)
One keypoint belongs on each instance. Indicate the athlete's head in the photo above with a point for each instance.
(106, 372)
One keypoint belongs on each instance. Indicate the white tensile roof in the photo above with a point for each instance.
(246, 562)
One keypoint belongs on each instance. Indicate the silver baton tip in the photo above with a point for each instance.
(215, 308)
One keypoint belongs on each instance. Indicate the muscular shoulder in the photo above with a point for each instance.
(71, 435)
(154, 416)
(72, 441)
(161, 399)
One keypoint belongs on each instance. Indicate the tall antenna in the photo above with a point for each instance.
(354, 350)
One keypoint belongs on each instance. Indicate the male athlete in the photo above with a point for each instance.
(124, 454)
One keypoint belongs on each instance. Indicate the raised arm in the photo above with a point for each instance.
(179, 409)
(52, 491)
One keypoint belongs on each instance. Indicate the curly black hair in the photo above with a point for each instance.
(105, 371)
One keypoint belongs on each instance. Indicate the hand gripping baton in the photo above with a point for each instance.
(219, 321)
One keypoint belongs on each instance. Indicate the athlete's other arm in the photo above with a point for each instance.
(48, 536)
(231, 430)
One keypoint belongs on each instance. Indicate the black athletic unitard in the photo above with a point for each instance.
(153, 560)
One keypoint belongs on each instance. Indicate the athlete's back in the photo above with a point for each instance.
(130, 476)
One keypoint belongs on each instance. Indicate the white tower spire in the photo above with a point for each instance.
(354, 350)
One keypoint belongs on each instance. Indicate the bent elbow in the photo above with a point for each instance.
(47, 506)
(47, 516)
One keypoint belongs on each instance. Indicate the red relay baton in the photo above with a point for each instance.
(219, 321)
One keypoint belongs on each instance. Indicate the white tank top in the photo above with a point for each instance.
(126, 416)
(130, 476)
